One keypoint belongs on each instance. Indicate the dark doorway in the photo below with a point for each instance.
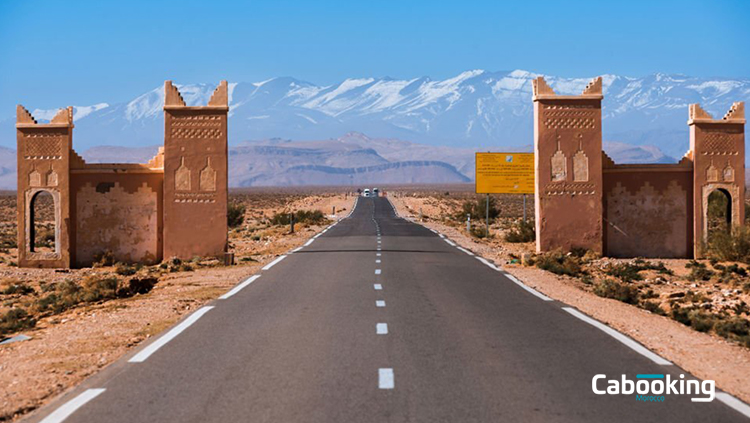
(43, 233)
(719, 216)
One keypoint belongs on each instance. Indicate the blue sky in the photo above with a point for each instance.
(55, 53)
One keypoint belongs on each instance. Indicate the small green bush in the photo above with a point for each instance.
(312, 217)
(609, 288)
(14, 320)
(559, 263)
(731, 245)
(699, 271)
(235, 214)
(653, 307)
(522, 231)
(477, 209)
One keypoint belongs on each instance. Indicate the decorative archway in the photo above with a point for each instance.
(33, 196)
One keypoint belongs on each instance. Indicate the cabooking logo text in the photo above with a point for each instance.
(655, 387)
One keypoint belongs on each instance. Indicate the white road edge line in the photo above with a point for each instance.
(465, 251)
(71, 406)
(385, 379)
(379, 303)
(734, 403)
(526, 287)
(310, 241)
(640, 349)
(381, 329)
(154, 346)
(273, 263)
(451, 243)
(239, 287)
(483, 260)
(296, 249)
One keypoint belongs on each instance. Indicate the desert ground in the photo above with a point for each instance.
(81, 320)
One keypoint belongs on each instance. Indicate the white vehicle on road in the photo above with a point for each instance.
(366, 192)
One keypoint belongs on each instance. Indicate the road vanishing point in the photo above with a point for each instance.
(379, 319)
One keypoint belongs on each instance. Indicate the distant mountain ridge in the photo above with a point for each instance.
(475, 109)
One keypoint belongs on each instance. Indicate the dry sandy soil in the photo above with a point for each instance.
(705, 355)
(68, 345)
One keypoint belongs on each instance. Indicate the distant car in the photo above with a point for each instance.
(366, 193)
(375, 192)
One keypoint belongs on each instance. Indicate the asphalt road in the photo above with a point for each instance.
(306, 342)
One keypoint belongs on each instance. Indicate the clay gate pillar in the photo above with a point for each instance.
(44, 166)
(718, 148)
(195, 175)
(568, 162)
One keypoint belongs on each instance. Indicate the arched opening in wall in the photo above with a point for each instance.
(42, 232)
(719, 213)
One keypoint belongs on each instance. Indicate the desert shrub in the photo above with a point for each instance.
(559, 263)
(698, 271)
(104, 258)
(137, 286)
(14, 320)
(312, 217)
(689, 316)
(97, 288)
(125, 269)
(653, 307)
(235, 214)
(629, 272)
(17, 288)
(731, 245)
(522, 231)
(736, 326)
(609, 288)
(477, 209)
(479, 232)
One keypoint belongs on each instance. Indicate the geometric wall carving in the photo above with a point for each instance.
(559, 165)
(207, 178)
(712, 174)
(35, 178)
(51, 178)
(580, 167)
(728, 173)
(43, 145)
(182, 177)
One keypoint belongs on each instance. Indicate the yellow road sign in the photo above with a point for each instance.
(504, 173)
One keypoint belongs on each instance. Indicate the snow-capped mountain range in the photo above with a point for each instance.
(476, 109)
(644, 118)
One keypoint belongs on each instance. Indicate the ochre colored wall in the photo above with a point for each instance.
(568, 161)
(718, 147)
(119, 212)
(648, 211)
(195, 176)
(43, 165)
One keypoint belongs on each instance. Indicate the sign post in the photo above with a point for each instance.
(504, 173)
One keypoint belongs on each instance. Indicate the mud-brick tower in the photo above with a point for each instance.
(195, 175)
(718, 148)
(44, 166)
(568, 156)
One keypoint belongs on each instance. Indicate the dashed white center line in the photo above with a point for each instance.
(379, 303)
(377, 271)
(154, 346)
(385, 379)
(71, 406)
(273, 263)
(378, 287)
(377, 261)
(378, 254)
(381, 329)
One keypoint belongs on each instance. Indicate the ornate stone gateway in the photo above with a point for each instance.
(585, 200)
(173, 206)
